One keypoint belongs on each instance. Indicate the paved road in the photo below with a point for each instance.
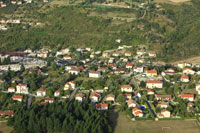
(72, 95)
(28, 100)
(155, 115)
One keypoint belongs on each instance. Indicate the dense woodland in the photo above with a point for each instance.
(71, 117)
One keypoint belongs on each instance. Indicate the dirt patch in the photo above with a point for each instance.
(171, 1)
(193, 60)
(4, 128)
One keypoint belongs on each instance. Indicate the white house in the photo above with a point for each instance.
(41, 92)
(138, 69)
(197, 87)
(79, 97)
(71, 85)
(93, 74)
(129, 65)
(188, 71)
(49, 100)
(57, 93)
(95, 97)
(126, 88)
(11, 89)
(74, 71)
(189, 97)
(131, 103)
(110, 97)
(102, 106)
(154, 84)
(151, 73)
(22, 88)
(17, 98)
(164, 114)
(137, 112)
(185, 78)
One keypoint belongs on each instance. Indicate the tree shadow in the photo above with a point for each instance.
(113, 117)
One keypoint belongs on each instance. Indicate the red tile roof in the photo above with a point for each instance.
(187, 95)
(154, 81)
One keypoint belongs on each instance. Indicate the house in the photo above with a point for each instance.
(169, 71)
(71, 85)
(105, 54)
(13, 1)
(150, 92)
(41, 92)
(164, 114)
(110, 98)
(126, 88)
(181, 65)
(17, 98)
(7, 113)
(197, 87)
(49, 100)
(152, 54)
(116, 54)
(190, 105)
(154, 84)
(140, 52)
(163, 97)
(127, 96)
(79, 97)
(95, 97)
(163, 105)
(188, 71)
(151, 73)
(22, 89)
(67, 57)
(3, 5)
(129, 65)
(74, 71)
(11, 89)
(184, 78)
(57, 93)
(189, 97)
(131, 103)
(128, 54)
(119, 71)
(67, 68)
(93, 74)
(118, 40)
(103, 69)
(102, 106)
(113, 66)
(137, 112)
(138, 69)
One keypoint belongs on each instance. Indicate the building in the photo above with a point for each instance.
(22, 89)
(189, 97)
(188, 71)
(151, 73)
(71, 85)
(138, 69)
(184, 78)
(150, 92)
(152, 54)
(79, 97)
(7, 113)
(127, 96)
(163, 97)
(110, 98)
(17, 98)
(95, 97)
(128, 54)
(93, 74)
(164, 114)
(11, 89)
(154, 84)
(57, 93)
(163, 105)
(129, 65)
(126, 88)
(131, 103)
(41, 92)
(137, 112)
(197, 87)
(102, 106)
(49, 100)
(74, 71)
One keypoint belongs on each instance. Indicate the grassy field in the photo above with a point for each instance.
(4, 128)
(122, 124)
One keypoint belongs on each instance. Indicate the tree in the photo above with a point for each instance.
(121, 99)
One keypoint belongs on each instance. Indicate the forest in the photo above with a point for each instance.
(71, 117)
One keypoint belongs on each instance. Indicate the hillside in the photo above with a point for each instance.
(171, 30)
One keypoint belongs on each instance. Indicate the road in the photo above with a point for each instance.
(29, 100)
(155, 115)
(72, 95)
